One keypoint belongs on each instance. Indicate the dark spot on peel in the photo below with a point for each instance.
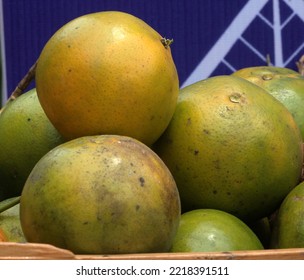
(196, 152)
(142, 181)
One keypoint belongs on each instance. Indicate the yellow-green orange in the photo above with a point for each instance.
(232, 146)
(288, 231)
(26, 135)
(284, 84)
(10, 226)
(210, 230)
(101, 194)
(108, 73)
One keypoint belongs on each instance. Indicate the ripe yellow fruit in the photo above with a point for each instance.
(108, 73)
(26, 134)
(284, 84)
(211, 230)
(232, 146)
(99, 195)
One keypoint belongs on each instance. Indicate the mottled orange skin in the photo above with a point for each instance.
(10, 226)
(284, 84)
(107, 73)
(232, 146)
(101, 194)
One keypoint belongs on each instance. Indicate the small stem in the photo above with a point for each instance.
(166, 42)
(300, 65)
(9, 203)
(23, 84)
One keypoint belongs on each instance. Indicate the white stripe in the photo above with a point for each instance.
(278, 52)
(297, 6)
(226, 41)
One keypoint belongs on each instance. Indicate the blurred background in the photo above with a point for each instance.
(211, 37)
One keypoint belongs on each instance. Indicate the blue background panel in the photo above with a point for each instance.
(195, 25)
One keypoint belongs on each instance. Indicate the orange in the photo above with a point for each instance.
(232, 146)
(108, 73)
(211, 230)
(26, 134)
(10, 226)
(288, 230)
(101, 194)
(284, 84)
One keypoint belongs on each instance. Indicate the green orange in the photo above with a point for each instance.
(288, 229)
(100, 195)
(232, 146)
(284, 84)
(210, 230)
(10, 226)
(26, 134)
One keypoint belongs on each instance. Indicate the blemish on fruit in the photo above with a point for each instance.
(142, 181)
(235, 97)
(267, 77)
(137, 207)
(188, 121)
(297, 198)
(206, 131)
(196, 152)
(29, 119)
(214, 192)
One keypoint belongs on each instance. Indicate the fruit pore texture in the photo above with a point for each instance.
(101, 194)
(107, 73)
(232, 146)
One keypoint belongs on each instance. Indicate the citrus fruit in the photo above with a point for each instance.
(101, 194)
(211, 230)
(284, 84)
(10, 226)
(232, 146)
(26, 135)
(108, 73)
(288, 229)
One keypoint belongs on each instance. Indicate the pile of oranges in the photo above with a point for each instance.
(128, 162)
